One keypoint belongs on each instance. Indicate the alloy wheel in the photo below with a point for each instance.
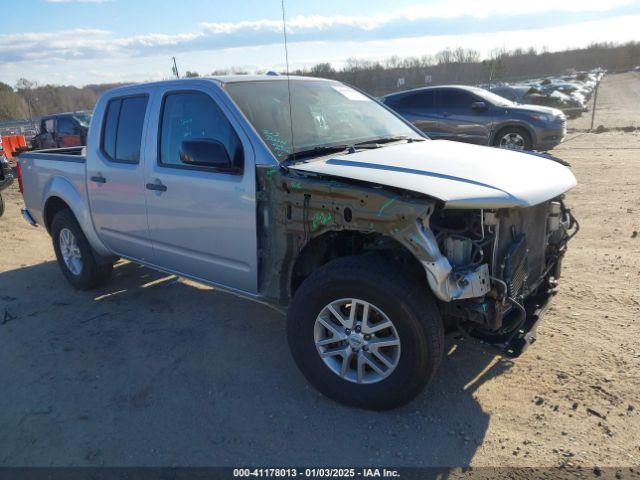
(357, 341)
(70, 251)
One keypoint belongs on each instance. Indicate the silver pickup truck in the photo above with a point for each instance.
(311, 197)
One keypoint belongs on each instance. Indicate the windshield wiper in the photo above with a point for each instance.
(350, 147)
(372, 143)
(315, 152)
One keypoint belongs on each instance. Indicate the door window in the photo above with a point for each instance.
(48, 125)
(122, 129)
(194, 115)
(458, 99)
(66, 126)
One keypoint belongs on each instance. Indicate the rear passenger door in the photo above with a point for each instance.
(115, 178)
(202, 219)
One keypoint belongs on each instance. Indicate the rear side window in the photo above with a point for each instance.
(122, 130)
(416, 100)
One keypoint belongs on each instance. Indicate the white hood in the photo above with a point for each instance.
(460, 174)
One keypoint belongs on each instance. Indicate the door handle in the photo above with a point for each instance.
(98, 179)
(446, 114)
(158, 187)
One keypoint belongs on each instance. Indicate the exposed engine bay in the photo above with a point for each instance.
(491, 270)
(519, 250)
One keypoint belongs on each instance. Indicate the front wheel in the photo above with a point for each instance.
(365, 334)
(74, 254)
(513, 138)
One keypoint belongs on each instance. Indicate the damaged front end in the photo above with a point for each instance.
(521, 251)
(492, 271)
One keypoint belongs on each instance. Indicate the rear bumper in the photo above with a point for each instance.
(28, 218)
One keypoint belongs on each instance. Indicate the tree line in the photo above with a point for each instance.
(27, 99)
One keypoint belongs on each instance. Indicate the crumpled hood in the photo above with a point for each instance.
(460, 174)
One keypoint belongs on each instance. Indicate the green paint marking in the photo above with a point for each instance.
(271, 171)
(320, 219)
(386, 204)
(296, 185)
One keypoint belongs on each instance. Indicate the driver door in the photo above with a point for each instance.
(202, 219)
(460, 121)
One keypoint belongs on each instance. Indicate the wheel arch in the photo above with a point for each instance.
(60, 193)
(335, 244)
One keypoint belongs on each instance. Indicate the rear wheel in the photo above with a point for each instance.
(513, 138)
(75, 256)
(364, 333)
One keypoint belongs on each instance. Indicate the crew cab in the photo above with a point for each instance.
(311, 197)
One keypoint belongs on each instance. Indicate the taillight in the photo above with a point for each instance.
(19, 172)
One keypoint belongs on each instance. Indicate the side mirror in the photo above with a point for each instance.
(205, 152)
(479, 106)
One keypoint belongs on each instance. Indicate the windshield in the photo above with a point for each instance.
(324, 113)
(83, 118)
(493, 98)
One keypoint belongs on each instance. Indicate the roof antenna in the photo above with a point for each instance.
(286, 54)
(175, 68)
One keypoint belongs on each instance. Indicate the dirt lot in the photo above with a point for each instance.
(154, 370)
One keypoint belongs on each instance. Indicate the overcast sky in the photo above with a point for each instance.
(96, 41)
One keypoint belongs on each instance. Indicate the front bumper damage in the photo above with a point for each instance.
(501, 301)
(514, 343)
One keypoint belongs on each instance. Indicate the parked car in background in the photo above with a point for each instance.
(528, 95)
(62, 130)
(373, 238)
(475, 115)
(569, 93)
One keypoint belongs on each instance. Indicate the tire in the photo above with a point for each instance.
(407, 303)
(1, 205)
(88, 272)
(517, 133)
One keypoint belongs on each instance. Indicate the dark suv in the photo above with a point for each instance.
(475, 115)
(62, 130)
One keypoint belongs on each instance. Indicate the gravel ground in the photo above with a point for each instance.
(618, 104)
(153, 370)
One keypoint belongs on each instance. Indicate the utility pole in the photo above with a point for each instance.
(595, 103)
(175, 68)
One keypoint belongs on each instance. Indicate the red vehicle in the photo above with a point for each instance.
(62, 130)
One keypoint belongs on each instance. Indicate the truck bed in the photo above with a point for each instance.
(69, 154)
(59, 170)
